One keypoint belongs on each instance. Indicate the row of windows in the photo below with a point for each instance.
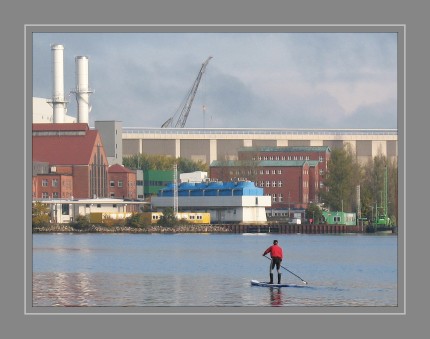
(268, 184)
(283, 157)
(112, 195)
(277, 198)
(54, 183)
(120, 183)
(289, 157)
(191, 217)
(265, 171)
(280, 197)
(56, 195)
(158, 183)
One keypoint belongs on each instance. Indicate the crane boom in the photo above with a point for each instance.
(186, 106)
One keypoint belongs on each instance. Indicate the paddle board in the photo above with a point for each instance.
(266, 284)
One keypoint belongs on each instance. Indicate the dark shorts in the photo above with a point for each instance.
(276, 262)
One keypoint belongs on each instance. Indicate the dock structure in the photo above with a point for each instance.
(295, 228)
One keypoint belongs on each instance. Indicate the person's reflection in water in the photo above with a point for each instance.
(276, 298)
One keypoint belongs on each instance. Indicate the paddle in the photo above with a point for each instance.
(289, 271)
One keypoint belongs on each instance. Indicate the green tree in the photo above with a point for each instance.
(342, 178)
(168, 219)
(81, 222)
(372, 187)
(40, 214)
(314, 212)
(147, 162)
(135, 220)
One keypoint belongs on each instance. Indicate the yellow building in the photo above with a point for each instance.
(191, 217)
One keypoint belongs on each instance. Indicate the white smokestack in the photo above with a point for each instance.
(82, 91)
(58, 102)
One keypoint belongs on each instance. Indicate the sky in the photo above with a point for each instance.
(254, 80)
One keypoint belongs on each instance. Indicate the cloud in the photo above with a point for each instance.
(263, 80)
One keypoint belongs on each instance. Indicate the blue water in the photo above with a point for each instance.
(212, 270)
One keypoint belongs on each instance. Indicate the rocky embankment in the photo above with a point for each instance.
(65, 228)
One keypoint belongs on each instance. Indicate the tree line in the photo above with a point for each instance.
(345, 175)
(147, 162)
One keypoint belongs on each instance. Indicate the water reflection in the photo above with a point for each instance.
(276, 297)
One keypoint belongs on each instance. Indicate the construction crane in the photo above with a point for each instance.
(185, 107)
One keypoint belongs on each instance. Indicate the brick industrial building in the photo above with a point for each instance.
(292, 176)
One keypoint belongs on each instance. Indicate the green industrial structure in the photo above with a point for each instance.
(154, 180)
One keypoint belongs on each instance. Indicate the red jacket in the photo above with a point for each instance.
(275, 251)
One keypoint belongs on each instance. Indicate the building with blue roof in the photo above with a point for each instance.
(227, 202)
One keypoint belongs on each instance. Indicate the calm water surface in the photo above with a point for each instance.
(212, 270)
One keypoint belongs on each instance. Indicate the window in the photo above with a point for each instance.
(283, 157)
(279, 183)
(55, 195)
(112, 194)
(295, 157)
(44, 182)
(321, 158)
(279, 171)
(289, 157)
(273, 171)
(112, 183)
(274, 198)
(45, 195)
(267, 183)
(280, 197)
(321, 172)
(119, 183)
(261, 183)
(267, 171)
(65, 209)
(54, 182)
(273, 183)
(307, 157)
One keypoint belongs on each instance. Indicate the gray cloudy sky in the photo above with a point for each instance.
(268, 80)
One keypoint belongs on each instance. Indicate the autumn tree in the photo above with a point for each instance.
(343, 176)
(40, 214)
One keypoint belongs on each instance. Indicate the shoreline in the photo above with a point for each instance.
(64, 228)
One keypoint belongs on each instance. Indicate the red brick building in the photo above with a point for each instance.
(292, 176)
(74, 151)
(122, 182)
(52, 186)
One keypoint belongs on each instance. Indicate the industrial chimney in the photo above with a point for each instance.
(82, 91)
(58, 102)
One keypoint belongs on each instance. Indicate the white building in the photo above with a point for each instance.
(197, 176)
(43, 112)
(65, 211)
(232, 202)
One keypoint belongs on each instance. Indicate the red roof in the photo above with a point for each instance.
(61, 127)
(64, 149)
(116, 168)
